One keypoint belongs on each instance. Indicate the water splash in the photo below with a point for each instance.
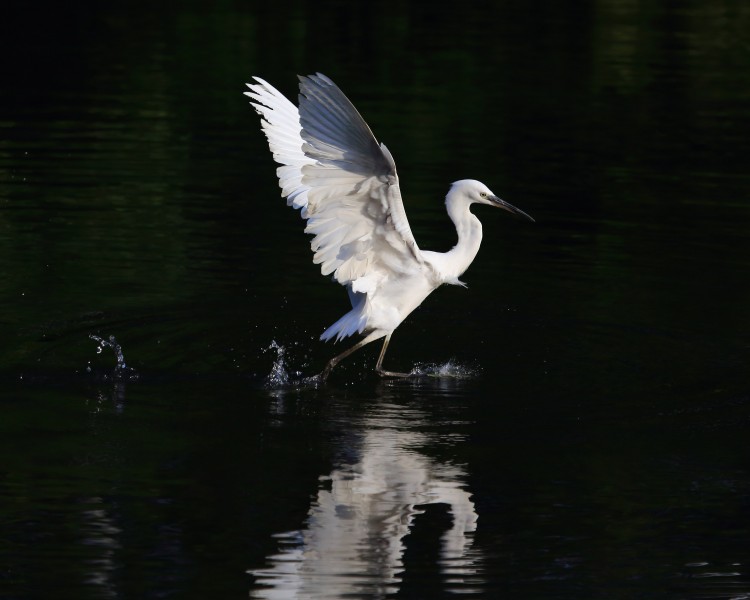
(449, 370)
(279, 376)
(122, 370)
(282, 376)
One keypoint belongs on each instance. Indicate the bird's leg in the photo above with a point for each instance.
(339, 357)
(379, 365)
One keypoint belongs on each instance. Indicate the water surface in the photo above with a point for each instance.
(594, 445)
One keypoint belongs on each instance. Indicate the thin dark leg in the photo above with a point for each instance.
(339, 357)
(379, 365)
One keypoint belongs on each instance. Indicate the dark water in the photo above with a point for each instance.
(597, 445)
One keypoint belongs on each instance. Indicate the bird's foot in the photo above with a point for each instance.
(392, 374)
(321, 377)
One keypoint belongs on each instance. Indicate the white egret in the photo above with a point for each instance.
(345, 183)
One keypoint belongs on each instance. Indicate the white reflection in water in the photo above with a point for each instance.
(100, 532)
(353, 540)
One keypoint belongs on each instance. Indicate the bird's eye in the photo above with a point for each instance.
(483, 194)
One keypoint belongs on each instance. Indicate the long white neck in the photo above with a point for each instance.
(452, 264)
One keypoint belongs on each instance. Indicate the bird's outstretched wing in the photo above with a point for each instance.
(345, 182)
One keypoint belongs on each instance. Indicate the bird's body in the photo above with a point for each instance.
(345, 183)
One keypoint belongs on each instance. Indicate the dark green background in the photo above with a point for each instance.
(604, 432)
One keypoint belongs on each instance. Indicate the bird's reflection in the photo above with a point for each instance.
(354, 537)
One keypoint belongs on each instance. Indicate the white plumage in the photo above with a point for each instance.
(345, 183)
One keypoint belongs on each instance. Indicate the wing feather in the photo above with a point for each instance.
(344, 180)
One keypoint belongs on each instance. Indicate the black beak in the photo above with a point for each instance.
(509, 207)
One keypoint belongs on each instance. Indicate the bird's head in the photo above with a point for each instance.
(475, 191)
